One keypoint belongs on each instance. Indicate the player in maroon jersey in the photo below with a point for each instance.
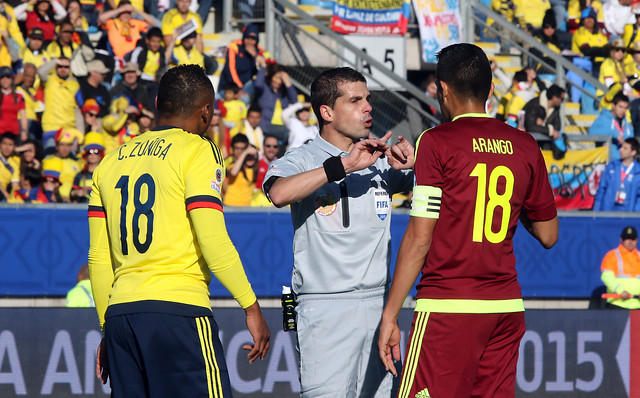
(475, 176)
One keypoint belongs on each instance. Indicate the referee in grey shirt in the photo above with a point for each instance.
(340, 192)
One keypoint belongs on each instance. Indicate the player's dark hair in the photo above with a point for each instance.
(466, 69)
(325, 90)
(239, 138)
(620, 97)
(555, 91)
(254, 108)
(183, 89)
(154, 32)
(635, 145)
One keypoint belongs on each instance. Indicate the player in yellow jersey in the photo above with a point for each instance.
(156, 229)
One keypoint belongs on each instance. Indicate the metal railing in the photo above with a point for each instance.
(293, 46)
(524, 42)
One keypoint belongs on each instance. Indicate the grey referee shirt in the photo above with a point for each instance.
(342, 241)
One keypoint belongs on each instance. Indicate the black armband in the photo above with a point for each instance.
(334, 169)
(266, 186)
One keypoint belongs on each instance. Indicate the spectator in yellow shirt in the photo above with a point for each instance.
(66, 138)
(60, 107)
(34, 53)
(64, 44)
(9, 162)
(178, 16)
(184, 53)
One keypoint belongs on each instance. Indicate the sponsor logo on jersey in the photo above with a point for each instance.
(327, 204)
(423, 394)
(216, 187)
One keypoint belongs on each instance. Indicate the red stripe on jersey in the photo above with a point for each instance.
(98, 214)
(204, 205)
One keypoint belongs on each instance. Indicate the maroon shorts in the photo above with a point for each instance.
(462, 355)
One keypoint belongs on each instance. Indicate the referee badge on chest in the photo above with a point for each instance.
(327, 204)
(382, 203)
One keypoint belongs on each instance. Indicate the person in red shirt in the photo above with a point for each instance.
(13, 117)
(475, 176)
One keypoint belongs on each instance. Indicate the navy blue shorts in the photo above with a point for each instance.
(164, 355)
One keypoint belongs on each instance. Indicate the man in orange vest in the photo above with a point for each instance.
(621, 271)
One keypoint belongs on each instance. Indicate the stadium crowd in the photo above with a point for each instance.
(79, 79)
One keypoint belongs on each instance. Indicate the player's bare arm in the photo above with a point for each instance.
(545, 232)
(259, 331)
(287, 190)
(102, 363)
(411, 256)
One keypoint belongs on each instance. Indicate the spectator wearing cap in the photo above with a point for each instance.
(60, 106)
(130, 88)
(184, 53)
(34, 52)
(617, 14)
(92, 155)
(621, 271)
(93, 88)
(66, 139)
(240, 62)
(588, 40)
(297, 118)
(91, 114)
(619, 187)
(43, 14)
(9, 162)
(65, 42)
(13, 117)
(123, 30)
(178, 16)
(612, 69)
(574, 11)
(50, 185)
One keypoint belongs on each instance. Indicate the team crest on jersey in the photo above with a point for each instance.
(327, 204)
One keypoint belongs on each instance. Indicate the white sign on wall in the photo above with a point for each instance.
(388, 50)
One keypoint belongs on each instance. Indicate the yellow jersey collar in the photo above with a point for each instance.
(472, 115)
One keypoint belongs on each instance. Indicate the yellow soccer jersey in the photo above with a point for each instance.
(143, 199)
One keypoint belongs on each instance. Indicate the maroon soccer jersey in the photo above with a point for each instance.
(488, 173)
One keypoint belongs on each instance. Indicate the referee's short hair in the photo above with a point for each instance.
(466, 69)
(182, 90)
(325, 89)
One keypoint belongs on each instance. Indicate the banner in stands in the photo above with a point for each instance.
(366, 17)
(575, 178)
(50, 352)
(440, 25)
